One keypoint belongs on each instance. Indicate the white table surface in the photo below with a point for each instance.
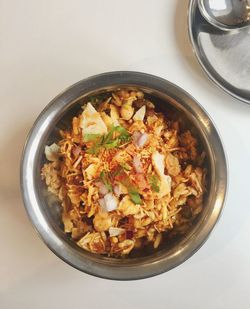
(48, 45)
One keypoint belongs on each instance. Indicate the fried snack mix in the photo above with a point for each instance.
(125, 175)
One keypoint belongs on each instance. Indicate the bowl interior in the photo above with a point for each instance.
(51, 207)
(45, 211)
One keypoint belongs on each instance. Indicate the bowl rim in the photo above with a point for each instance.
(89, 264)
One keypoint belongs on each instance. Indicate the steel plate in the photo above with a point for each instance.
(224, 55)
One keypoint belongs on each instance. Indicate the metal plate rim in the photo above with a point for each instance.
(199, 58)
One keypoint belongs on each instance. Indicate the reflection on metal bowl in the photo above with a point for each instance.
(44, 210)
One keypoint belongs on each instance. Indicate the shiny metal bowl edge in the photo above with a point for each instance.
(44, 211)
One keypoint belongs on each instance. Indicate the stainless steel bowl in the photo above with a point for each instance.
(44, 210)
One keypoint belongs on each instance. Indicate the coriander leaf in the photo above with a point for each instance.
(154, 183)
(107, 138)
(124, 134)
(132, 191)
(107, 141)
(105, 179)
(135, 197)
(111, 144)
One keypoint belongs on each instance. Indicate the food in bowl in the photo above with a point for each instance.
(126, 174)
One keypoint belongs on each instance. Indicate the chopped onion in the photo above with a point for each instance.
(102, 188)
(117, 190)
(137, 165)
(139, 139)
(136, 136)
(109, 202)
(102, 203)
(142, 140)
(165, 180)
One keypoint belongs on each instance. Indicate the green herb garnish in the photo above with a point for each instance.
(114, 138)
(124, 136)
(132, 190)
(105, 179)
(154, 183)
(123, 178)
(135, 197)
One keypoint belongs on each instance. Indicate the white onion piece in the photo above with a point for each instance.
(142, 140)
(102, 203)
(102, 188)
(136, 136)
(165, 180)
(137, 165)
(109, 202)
(117, 190)
(139, 139)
